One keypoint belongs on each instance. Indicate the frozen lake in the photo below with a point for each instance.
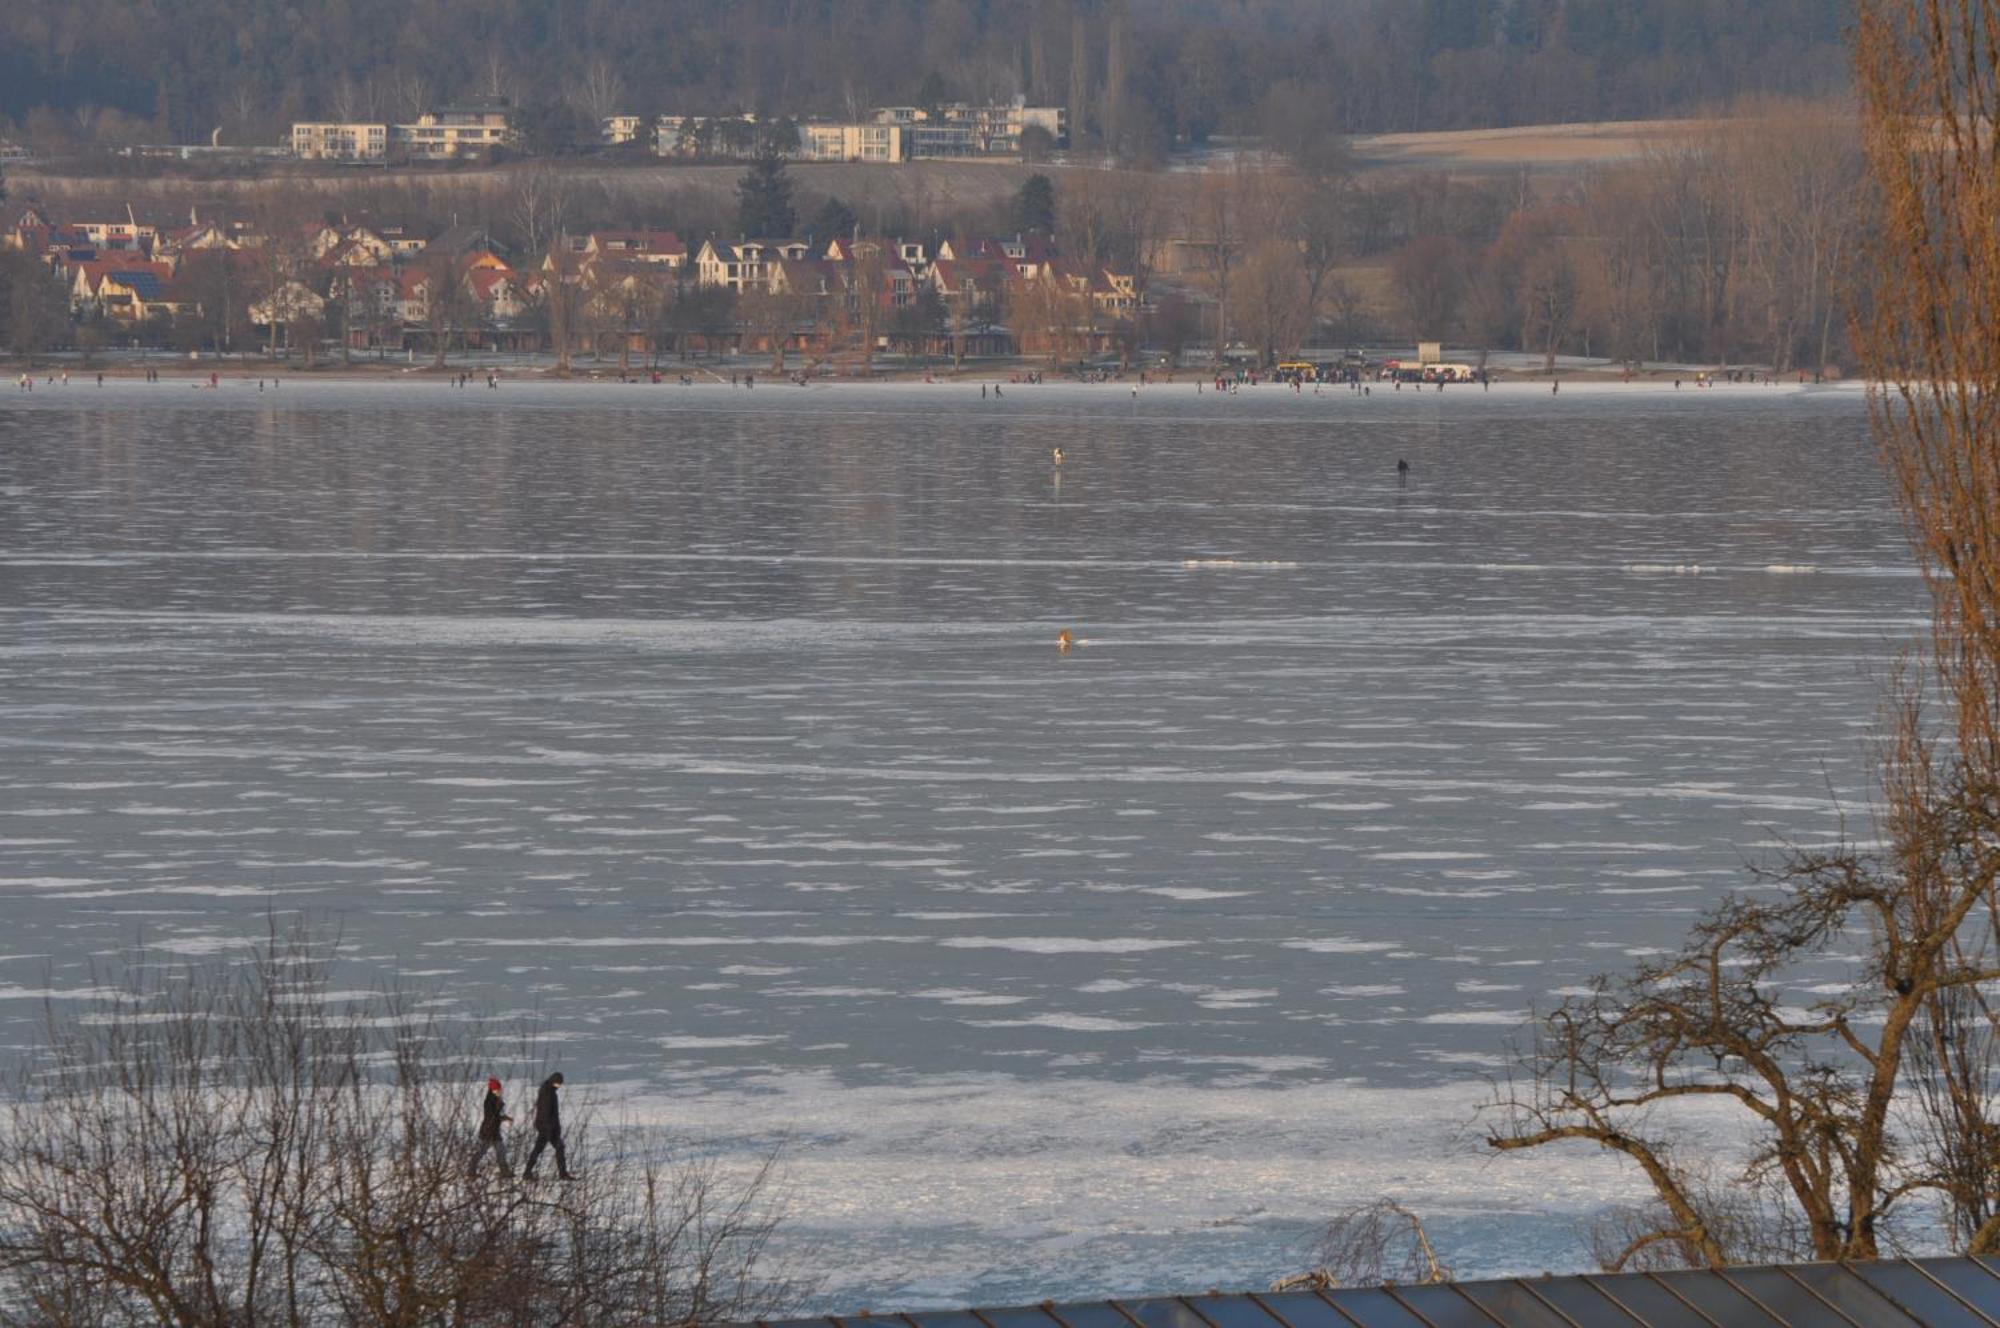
(726, 732)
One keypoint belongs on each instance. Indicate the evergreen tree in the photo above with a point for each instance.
(1035, 205)
(833, 218)
(764, 198)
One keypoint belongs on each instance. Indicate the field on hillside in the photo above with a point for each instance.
(920, 187)
(673, 188)
(1561, 147)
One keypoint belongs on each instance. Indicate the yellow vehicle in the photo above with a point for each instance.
(1301, 369)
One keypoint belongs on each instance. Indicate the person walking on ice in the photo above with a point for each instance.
(548, 1129)
(491, 1119)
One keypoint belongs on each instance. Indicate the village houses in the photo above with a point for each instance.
(373, 287)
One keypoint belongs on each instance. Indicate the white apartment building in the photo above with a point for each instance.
(617, 129)
(959, 129)
(851, 142)
(451, 132)
(456, 131)
(326, 140)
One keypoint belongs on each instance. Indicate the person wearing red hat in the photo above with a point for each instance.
(490, 1137)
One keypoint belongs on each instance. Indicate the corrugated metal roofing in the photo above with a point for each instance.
(1892, 1293)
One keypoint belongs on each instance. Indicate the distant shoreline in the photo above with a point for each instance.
(712, 376)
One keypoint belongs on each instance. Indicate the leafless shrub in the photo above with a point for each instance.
(230, 1144)
(1370, 1245)
(1754, 1222)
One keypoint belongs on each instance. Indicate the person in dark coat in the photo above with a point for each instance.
(548, 1128)
(492, 1118)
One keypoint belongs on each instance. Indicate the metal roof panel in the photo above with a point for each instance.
(1845, 1292)
(1443, 1307)
(1922, 1298)
(1893, 1293)
(1718, 1300)
(1579, 1301)
(1162, 1312)
(1969, 1280)
(1304, 1309)
(1650, 1302)
(1372, 1307)
(1517, 1305)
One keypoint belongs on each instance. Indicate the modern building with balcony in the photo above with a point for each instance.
(851, 142)
(327, 140)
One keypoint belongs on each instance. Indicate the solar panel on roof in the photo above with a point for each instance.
(1718, 1300)
(1787, 1301)
(1443, 1307)
(1303, 1309)
(1162, 1312)
(1650, 1302)
(1896, 1293)
(1371, 1307)
(1968, 1280)
(1576, 1299)
(1233, 1311)
(1090, 1314)
(1842, 1290)
(940, 1319)
(1030, 1317)
(1917, 1295)
(1515, 1305)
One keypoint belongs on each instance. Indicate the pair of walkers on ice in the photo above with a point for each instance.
(548, 1129)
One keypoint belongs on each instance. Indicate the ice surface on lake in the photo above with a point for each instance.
(726, 732)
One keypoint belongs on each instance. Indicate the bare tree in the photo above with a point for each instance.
(1370, 1245)
(231, 1143)
(600, 92)
(1321, 226)
(1429, 276)
(773, 317)
(1930, 79)
(538, 204)
(448, 304)
(1269, 299)
(1824, 1085)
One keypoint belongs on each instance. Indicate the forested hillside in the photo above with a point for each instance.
(1139, 75)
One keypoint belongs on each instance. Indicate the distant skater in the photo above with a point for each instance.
(1556, 387)
(548, 1129)
(493, 1115)
(1402, 471)
(1064, 641)
(982, 391)
(1056, 454)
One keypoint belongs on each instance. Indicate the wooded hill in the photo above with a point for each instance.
(1138, 78)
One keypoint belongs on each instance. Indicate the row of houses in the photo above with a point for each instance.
(980, 270)
(382, 287)
(889, 134)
